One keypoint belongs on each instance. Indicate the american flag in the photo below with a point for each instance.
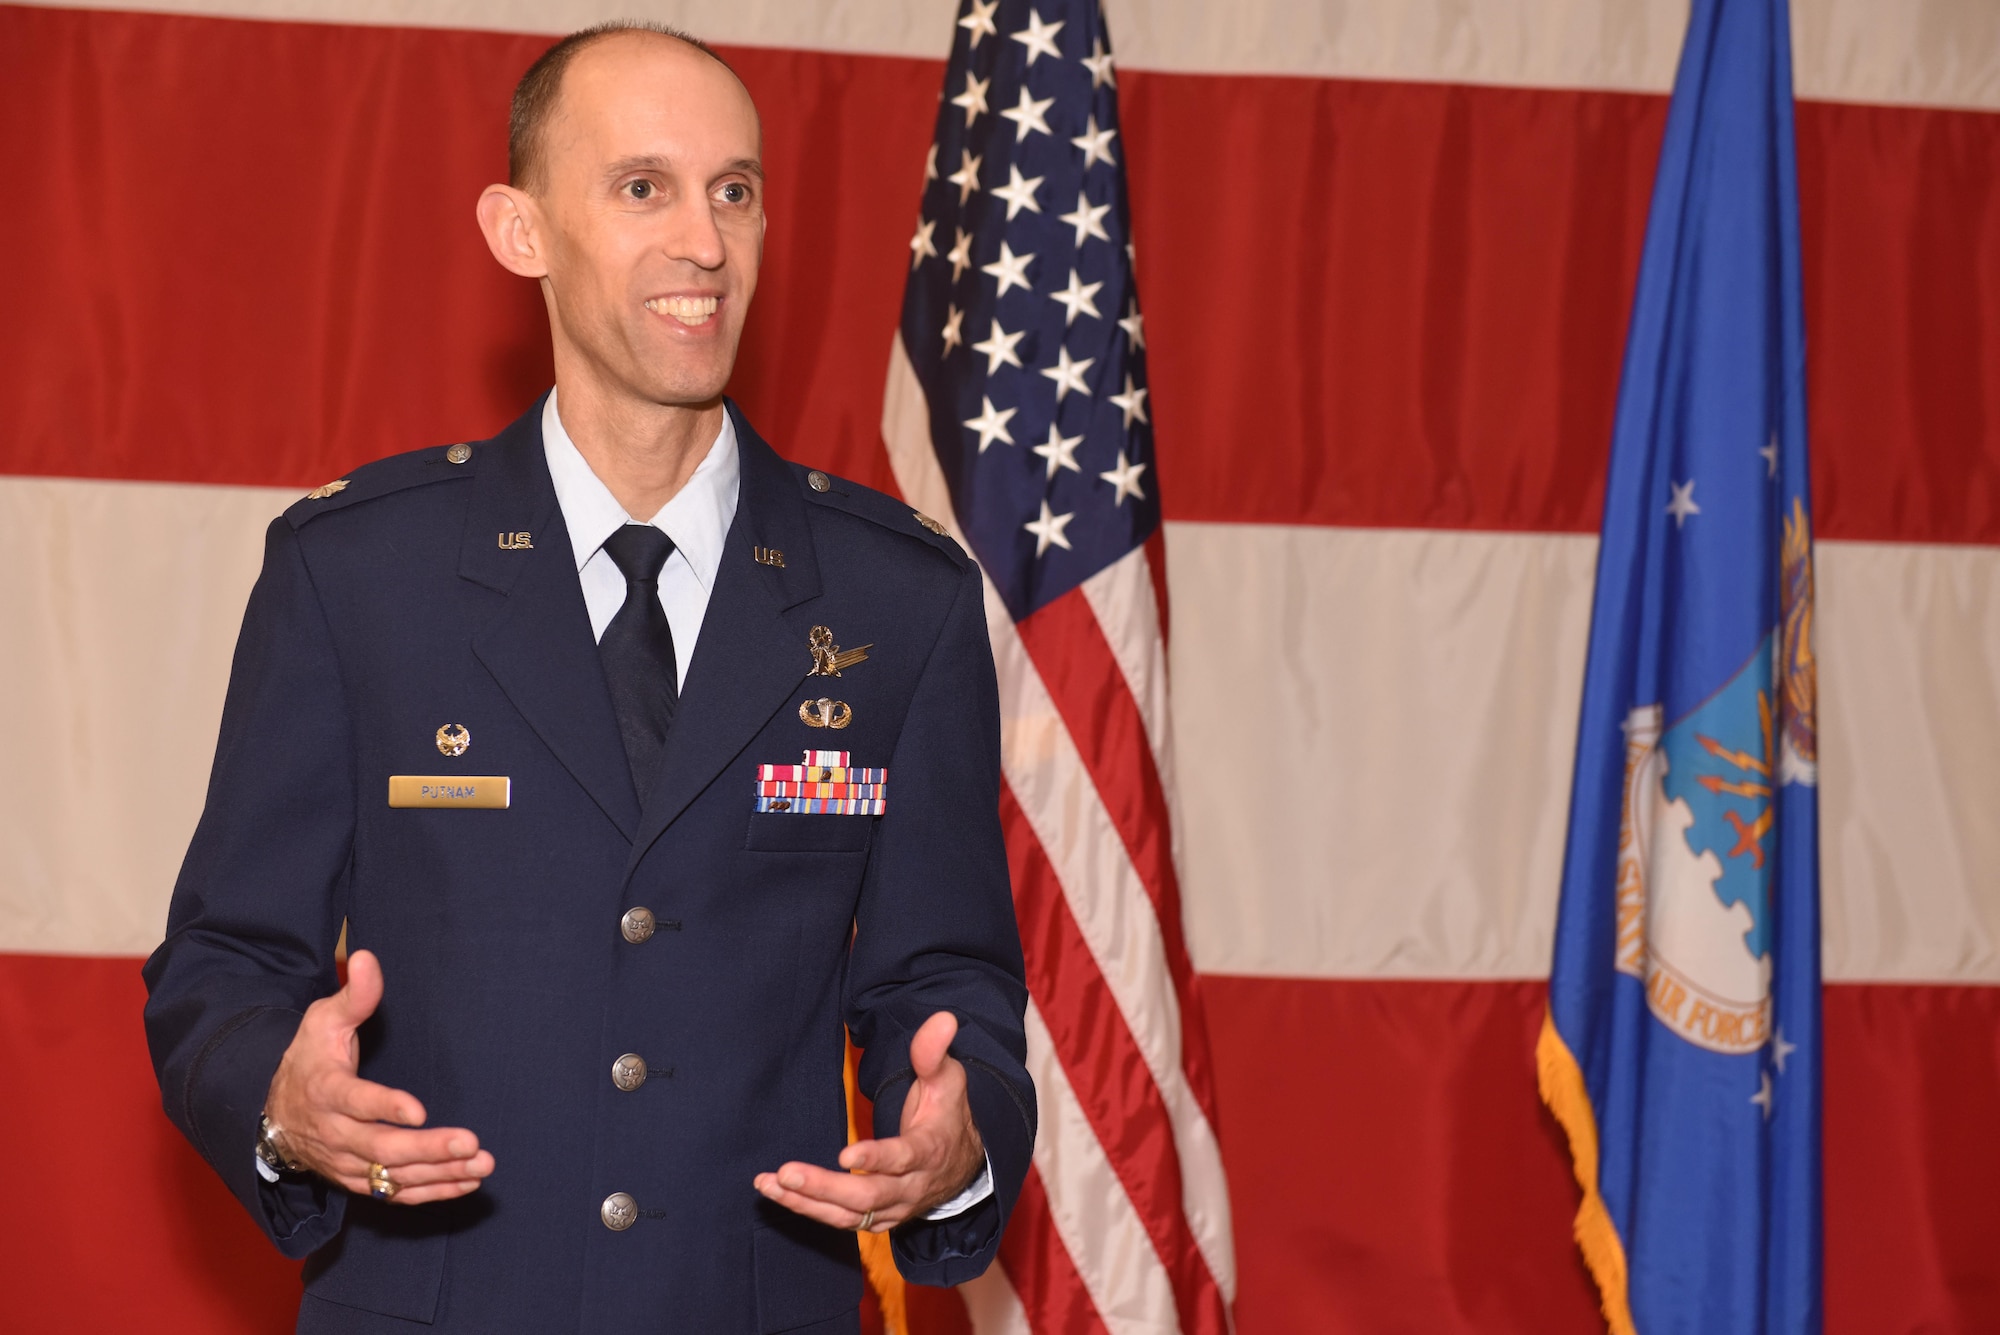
(1018, 413)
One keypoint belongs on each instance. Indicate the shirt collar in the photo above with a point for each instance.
(697, 518)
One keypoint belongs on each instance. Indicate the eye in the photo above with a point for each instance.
(736, 193)
(640, 189)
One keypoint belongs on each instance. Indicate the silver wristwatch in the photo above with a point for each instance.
(271, 1150)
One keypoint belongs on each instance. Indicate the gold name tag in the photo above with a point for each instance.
(489, 791)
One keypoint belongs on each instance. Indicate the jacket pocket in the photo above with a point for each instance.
(806, 1273)
(387, 1259)
(783, 832)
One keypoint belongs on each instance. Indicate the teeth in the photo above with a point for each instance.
(688, 310)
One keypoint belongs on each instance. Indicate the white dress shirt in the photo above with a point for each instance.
(697, 519)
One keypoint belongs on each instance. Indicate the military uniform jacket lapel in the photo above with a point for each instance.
(751, 654)
(539, 646)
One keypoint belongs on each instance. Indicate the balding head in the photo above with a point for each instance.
(538, 95)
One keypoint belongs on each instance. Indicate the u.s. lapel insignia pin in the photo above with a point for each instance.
(828, 657)
(768, 556)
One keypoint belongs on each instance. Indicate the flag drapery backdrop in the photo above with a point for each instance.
(1387, 254)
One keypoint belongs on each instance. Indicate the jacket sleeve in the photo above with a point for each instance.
(935, 930)
(257, 910)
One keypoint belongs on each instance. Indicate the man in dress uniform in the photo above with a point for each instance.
(586, 733)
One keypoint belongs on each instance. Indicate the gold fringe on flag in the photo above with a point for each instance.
(1561, 1081)
(883, 1276)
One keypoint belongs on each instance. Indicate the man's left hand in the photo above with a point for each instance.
(936, 1156)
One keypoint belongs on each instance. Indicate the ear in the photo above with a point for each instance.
(511, 224)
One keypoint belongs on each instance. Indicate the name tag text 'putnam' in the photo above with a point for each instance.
(481, 791)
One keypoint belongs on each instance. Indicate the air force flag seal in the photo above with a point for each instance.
(1681, 1051)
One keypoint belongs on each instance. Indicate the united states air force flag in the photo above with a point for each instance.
(1681, 1051)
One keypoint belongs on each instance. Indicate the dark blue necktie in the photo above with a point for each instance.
(638, 651)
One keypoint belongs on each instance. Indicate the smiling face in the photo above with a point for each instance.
(648, 214)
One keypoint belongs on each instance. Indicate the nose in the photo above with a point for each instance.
(692, 236)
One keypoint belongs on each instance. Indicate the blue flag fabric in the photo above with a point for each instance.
(1682, 1047)
(1021, 315)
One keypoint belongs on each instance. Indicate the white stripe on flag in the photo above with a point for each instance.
(1938, 53)
(993, 1305)
(1121, 598)
(1429, 677)
(1380, 726)
(121, 602)
(1093, 1216)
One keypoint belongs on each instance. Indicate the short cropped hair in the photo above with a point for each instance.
(536, 95)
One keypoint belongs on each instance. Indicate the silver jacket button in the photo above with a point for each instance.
(637, 925)
(619, 1211)
(459, 453)
(817, 480)
(629, 1072)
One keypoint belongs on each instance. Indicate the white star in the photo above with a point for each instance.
(966, 178)
(1027, 115)
(1762, 1098)
(1039, 38)
(1095, 143)
(1780, 1049)
(954, 318)
(1010, 269)
(1059, 450)
(1098, 62)
(1133, 401)
(973, 99)
(1019, 192)
(1770, 453)
(1088, 219)
(1077, 297)
(1134, 325)
(921, 247)
(1682, 505)
(980, 22)
(1068, 374)
(961, 254)
(1125, 478)
(991, 424)
(999, 347)
(930, 164)
(1049, 529)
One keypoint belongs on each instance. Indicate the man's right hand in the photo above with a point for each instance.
(333, 1122)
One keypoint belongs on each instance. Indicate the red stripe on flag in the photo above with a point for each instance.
(1106, 1070)
(1156, 570)
(1425, 334)
(1039, 1267)
(1440, 1202)
(1402, 1175)
(110, 1221)
(1089, 689)
(1912, 1161)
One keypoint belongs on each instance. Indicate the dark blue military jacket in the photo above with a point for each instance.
(390, 609)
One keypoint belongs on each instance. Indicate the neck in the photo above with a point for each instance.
(644, 452)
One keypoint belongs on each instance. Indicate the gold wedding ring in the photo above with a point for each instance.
(866, 1219)
(379, 1185)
